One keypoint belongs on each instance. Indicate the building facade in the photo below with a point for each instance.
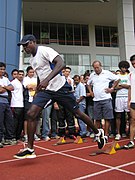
(81, 31)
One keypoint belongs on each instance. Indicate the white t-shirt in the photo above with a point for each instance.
(131, 81)
(17, 94)
(123, 80)
(71, 82)
(30, 81)
(42, 64)
(4, 82)
(100, 83)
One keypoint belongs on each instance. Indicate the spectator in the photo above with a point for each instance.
(30, 84)
(89, 104)
(65, 117)
(80, 94)
(121, 97)
(6, 117)
(17, 104)
(49, 122)
(14, 74)
(99, 80)
(131, 104)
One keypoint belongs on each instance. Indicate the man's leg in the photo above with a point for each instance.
(32, 113)
(28, 152)
(99, 133)
(86, 119)
(118, 123)
(132, 130)
(132, 124)
(68, 100)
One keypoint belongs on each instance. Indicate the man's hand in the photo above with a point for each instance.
(42, 85)
(109, 90)
(2, 89)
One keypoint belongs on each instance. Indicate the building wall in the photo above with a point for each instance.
(10, 21)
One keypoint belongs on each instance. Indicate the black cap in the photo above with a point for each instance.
(27, 38)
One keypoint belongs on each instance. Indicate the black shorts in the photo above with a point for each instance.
(132, 105)
(63, 96)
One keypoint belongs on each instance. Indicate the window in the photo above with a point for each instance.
(79, 63)
(28, 27)
(36, 31)
(44, 35)
(60, 33)
(85, 35)
(98, 32)
(109, 62)
(106, 36)
(69, 34)
(77, 35)
(53, 33)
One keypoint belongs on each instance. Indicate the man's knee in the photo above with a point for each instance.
(32, 115)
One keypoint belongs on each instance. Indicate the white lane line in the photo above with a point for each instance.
(89, 161)
(107, 170)
(55, 152)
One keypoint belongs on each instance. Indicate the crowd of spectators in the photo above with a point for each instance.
(102, 94)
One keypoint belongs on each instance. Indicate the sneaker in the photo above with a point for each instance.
(111, 136)
(46, 138)
(92, 135)
(1, 145)
(106, 139)
(88, 134)
(10, 142)
(36, 137)
(55, 137)
(129, 145)
(25, 153)
(118, 137)
(100, 138)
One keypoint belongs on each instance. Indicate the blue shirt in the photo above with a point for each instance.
(80, 90)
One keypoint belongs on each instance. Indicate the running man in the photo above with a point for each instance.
(52, 87)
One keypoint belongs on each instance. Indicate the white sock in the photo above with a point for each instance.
(31, 150)
(132, 142)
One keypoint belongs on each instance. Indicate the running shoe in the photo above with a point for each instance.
(36, 138)
(10, 142)
(1, 145)
(55, 137)
(25, 153)
(46, 138)
(129, 145)
(118, 137)
(106, 139)
(100, 138)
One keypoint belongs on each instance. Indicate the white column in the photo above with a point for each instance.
(126, 29)
(21, 48)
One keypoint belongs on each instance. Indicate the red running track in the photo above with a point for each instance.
(66, 162)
